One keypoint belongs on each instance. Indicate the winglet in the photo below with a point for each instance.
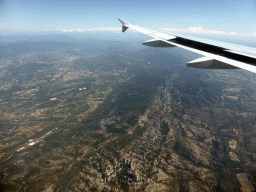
(123, 22)
(124, 27)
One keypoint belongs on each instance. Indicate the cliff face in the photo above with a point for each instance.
(180, 142)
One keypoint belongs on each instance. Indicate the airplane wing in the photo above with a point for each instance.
(216, 55)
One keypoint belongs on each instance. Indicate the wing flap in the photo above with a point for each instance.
(157, 43)
(208, 63)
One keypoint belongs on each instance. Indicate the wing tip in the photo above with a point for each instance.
(123, 22)
(124, 27)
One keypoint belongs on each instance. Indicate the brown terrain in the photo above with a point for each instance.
(85, 117)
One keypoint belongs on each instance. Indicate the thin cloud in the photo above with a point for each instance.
(92, 29)
(200, 30)
(253, 34)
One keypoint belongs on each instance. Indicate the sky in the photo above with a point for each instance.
(214, 17)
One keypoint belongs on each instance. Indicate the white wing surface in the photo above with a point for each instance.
(216, 55)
